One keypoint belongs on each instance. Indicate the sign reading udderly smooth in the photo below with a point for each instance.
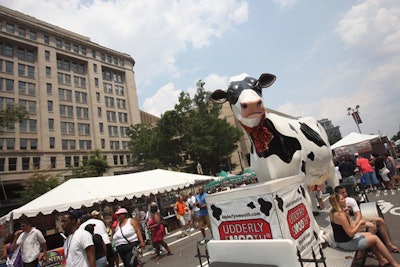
(272, 210)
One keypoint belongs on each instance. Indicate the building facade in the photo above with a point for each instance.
(80, 96)
(332, 131)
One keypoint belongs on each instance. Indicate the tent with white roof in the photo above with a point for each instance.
(79, 192)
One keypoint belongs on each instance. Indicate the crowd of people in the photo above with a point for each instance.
(91, 241)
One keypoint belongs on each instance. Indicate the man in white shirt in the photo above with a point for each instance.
(372, 226)
(78, 247)
(194, 210)
(101, 229)
(31, 240)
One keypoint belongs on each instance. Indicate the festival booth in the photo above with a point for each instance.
(277, 209)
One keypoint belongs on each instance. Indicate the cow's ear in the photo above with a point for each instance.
(266, 80)
(219, 96)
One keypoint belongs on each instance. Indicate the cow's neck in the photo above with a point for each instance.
(260, 135)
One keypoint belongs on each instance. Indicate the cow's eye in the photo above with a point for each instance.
(259, 103)
(244, 106)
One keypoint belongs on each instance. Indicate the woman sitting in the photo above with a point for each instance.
(347, 236)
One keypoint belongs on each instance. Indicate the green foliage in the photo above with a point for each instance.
(396, 136)
(36, 185)
(11, 115)
(93, 166)
(190, 133)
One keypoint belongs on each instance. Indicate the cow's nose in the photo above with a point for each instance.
(251, 104)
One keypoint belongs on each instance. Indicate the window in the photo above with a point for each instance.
(109, 102)
(67, 127)
(9, 51)
(108, 88)
(21, 31)
(101, 127)
(111, 116)
(93, 53)
(10, 28)
(9, 85)
(33, 143)
(80, 97)
(12, 164)
(50, 106)
(96, 82)
(98, 96)
(46, 39)
(82, 113)
(23, 143)
(49, 87)
(122, 117)
(95, 67)
(2, 164)
(83, 51)
(83, 129)
(121, 62)
(125, 145)
(26, 163)
(121, 103)
(10, 67)
(51, 124)
(112, 130)
(32, 35)
(119, 90)
(53, 162)
(64, 94)
(75, 48)
(28, 126)
(99, 111)
(103, 143)
(124, 131)
(66, 111)
(115, 157)
(52, 142)
(68, 161)
(103, 57)
(36, 162)
(115, 61)
(47, 55)
(121, 159)
(10, 143)
(1, 143)
(76, 161)
(21, 53)
(48, 71)
(108, 58)
(67, 46)
(58, 43)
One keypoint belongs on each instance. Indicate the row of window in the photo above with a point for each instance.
(22, 31)
(29, 163)
(22, 53)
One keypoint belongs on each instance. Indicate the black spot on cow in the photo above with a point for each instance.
(303, 166)
(303, 192)
(315, 235)
(311, 156)
(251, 205)
(298, 190)
(216, 212)
(281, 145)
(265, 206)
(280, 202)
(311, 135)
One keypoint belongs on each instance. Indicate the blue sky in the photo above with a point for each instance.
(327, 55)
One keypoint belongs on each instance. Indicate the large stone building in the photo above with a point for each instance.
(80, 96)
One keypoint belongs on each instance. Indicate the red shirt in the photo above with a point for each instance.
(364, 165)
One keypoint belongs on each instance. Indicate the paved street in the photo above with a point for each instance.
(185, 248)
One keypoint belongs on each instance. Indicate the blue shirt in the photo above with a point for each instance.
(202, 200)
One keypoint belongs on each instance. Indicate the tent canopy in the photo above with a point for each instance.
(352, 139)
(79, 192)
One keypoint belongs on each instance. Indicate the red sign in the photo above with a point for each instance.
(298, 220)
(245, 229)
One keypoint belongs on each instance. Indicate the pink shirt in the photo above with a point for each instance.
(364, 165)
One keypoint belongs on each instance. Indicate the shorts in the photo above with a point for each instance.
(318, 194)
(359, 242)
(203, 222)
(195, 214)
(182, 220)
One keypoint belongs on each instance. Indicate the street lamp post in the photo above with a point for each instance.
(356, 116)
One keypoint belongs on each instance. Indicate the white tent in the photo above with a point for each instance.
(352, 139)
(79, 192)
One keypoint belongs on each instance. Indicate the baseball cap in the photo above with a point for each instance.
(95, 213)
(121, 211)
(356, 154)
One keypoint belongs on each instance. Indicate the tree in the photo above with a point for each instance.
(190, 133)
(11, 115)
(94, 165)
(36, 185)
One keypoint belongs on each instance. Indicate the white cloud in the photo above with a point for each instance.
(165, 99)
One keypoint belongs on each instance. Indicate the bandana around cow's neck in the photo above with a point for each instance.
(260, 134)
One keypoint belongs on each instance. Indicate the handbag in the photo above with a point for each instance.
(384, 171)
(135, 253)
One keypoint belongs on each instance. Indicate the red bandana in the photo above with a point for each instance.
(260, 134)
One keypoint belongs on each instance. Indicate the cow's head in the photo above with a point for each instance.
(245, 97)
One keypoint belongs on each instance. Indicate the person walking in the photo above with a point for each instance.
(101, 229)
(12, 257)
(368, 173)
(157, 230)
(181, 208)
(127, 236)
(100, 250)
(78, 247)
(194, 210)
(31, 240)
(203, 219)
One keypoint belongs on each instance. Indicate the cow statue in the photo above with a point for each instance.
(281, 146)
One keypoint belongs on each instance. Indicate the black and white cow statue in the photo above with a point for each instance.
(282, 146)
